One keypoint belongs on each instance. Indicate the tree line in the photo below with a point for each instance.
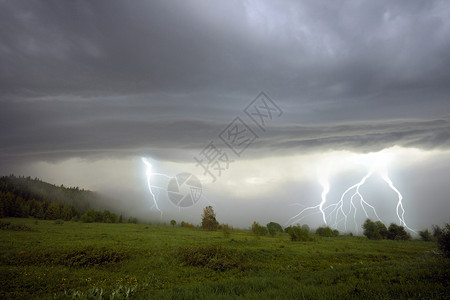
(24, 197)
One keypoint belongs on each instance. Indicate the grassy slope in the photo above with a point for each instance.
(146, 261)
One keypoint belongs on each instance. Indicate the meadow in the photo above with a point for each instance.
(73, 260)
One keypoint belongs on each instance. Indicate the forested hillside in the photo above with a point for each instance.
(27, 197)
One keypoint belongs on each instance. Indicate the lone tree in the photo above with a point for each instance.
(209, 221)
(173, 222)
(396, 232)
(371, 230)
(273, 228)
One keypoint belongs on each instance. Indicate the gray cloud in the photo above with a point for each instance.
(319, 50)
(95, 79)
(65, 129)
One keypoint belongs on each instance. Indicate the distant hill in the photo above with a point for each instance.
(27, 197)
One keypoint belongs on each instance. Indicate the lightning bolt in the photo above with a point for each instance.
(399, 209)
(338, 208)
(325, 189)
(336, 214)
(149, 173)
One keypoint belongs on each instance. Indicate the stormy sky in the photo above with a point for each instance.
(87, 88)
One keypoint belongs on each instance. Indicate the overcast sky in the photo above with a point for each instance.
(88, 87)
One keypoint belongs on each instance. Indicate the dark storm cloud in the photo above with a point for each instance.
(59, 130)
(81, 77)
(317, 49)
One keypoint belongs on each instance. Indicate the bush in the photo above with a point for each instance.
(437, 231)
(381, 228)
(425, 235)
(273, 228)
(396, 232)
(173, 222)
(371, 230)
(444, 240)
(83, 257)
(259, 230)
(213, 257)
(226, 229)
(132, 220)
(326, 232)
(14, 227)
(187, 225)
(305, 227)
(91, 256)
(297, 233)
(209, 221)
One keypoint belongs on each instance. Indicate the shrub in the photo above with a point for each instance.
(396, 232)
(297, 233)
(382, 230)
(83, 257)
(371, 230)
(173, 222)
(209, 221)
(258, 230)
(91, 256)
(326, 232)
(213, 257)
(305, 227)
(226, 229)
(444, 240)
(132, 220)
(187, 225)
(273, 228)
(425, 235)
(437, 231)
(14, 227)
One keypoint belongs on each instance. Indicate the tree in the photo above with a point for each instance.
(109, 217)
(297, 233)
(209, 221)
(396, 232)
(273, 228)
(258, 229)
(53, 212)
(437, 231)
(444, 240)
(132, 220)
(305, 227)
(425, 235)
(371, 230)
(381, 229)
(326, 232)
(173, 222)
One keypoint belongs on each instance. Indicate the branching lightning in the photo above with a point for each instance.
(340, 213)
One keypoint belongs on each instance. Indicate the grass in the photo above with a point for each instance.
(46, 260)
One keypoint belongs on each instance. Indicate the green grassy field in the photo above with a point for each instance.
(104, 261)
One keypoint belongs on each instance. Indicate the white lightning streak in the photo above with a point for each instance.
(326, 188)
(338, 207)
(401, 217)
(149, 173)
(335, 214)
